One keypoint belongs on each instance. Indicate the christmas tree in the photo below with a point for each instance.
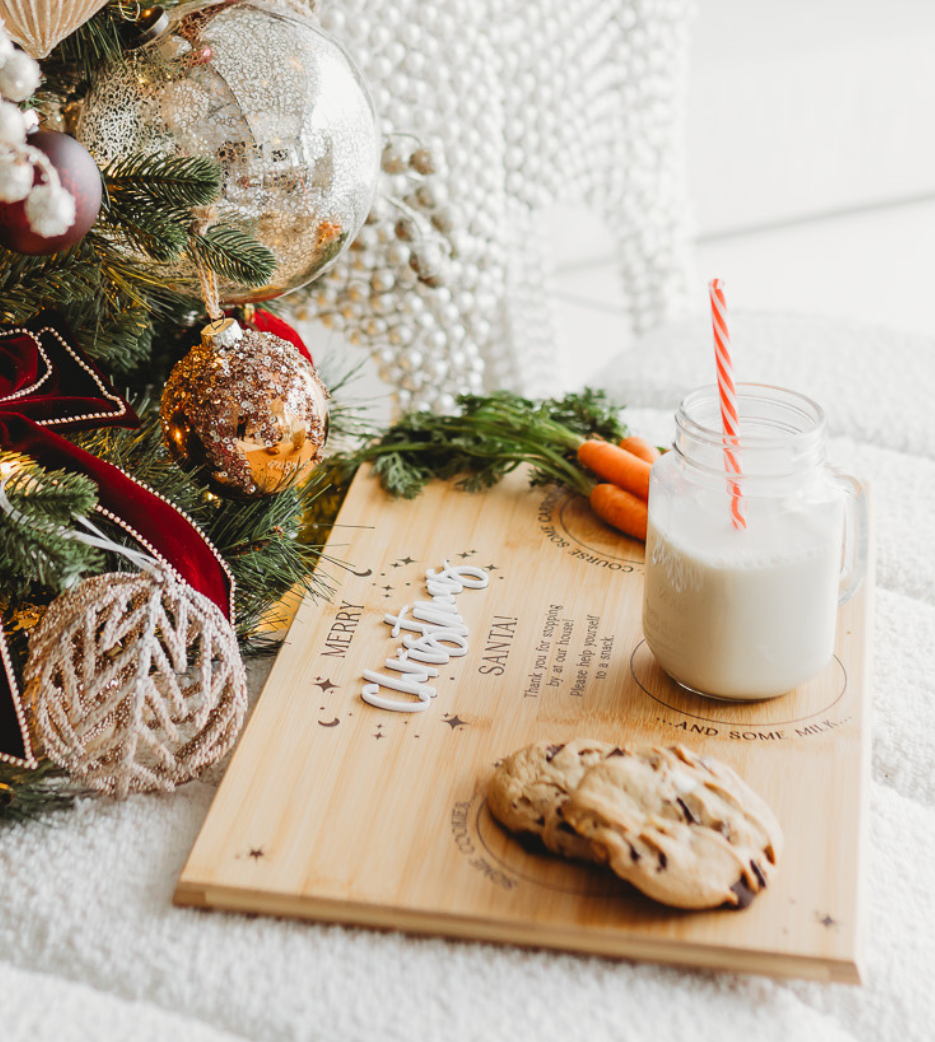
(94, 293)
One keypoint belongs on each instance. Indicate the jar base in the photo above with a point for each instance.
(743, 699)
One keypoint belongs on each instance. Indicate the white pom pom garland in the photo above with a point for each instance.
(15, 178)
(49, 208)
(19, 76)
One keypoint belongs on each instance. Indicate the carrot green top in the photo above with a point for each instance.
(490, 436)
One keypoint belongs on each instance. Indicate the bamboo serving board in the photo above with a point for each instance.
(335, 810)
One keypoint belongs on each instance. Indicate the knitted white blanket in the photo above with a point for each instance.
(91, 947)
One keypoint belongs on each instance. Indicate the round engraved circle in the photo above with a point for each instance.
(537, 865)
(817, 696)
(572, 516)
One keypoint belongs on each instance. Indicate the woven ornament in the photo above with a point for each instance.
(136, 682)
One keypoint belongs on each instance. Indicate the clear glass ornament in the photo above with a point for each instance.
(276, 103)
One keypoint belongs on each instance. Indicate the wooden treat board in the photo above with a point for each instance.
(335, 810)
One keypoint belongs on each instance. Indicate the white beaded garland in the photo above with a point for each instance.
(490, 113)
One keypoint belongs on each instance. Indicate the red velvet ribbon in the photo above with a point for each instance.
(46, 381)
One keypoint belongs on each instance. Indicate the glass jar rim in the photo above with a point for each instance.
(781, 432)
(796, 403)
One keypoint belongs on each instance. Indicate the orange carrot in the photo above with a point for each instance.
(626, 512)
(616, 465)
(640, 447)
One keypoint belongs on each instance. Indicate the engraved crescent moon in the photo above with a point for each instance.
(333, 723)
(352, 571)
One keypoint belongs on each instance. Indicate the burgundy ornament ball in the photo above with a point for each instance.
(79, 175)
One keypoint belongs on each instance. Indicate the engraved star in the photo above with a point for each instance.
(491, 568)
(407, 560)
(467, 553)
(454, 722)
(386, 587)
(828, 922)
(325, 684)
(379, 734)
(256, 853)
(396, 564)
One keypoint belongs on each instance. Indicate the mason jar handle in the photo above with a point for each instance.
(856, 535)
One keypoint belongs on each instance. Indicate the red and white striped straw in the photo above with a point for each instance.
(725, 384)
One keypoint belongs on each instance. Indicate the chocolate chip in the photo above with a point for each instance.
(551, 752)
(634, 853)
(743, 893)
(663, 861)
(531, 843)
(540, 821)
(688, 814)
(616, 752)
(758, 872)
(565, 827)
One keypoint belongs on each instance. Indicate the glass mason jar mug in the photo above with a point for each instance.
(745, 613)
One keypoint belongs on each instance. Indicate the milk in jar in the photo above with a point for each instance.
(745, 613)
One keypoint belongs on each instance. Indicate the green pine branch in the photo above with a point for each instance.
(233, 255)
(35, 522)
(140, 226)
(260, 543)
(149, 200)
(175, 184)
(75, 59)
(142, 454)
(29, 284)
(25, 794)
(124, 341)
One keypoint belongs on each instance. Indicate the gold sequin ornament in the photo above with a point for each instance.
(135, 682)
(248, 408)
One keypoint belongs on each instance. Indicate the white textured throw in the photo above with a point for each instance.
(91, 948)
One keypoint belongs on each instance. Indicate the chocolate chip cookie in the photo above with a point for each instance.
(683, 829)
(529, 788)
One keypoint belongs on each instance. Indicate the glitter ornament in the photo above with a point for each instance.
(248, 408)
(136, 682)
(273, 101)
